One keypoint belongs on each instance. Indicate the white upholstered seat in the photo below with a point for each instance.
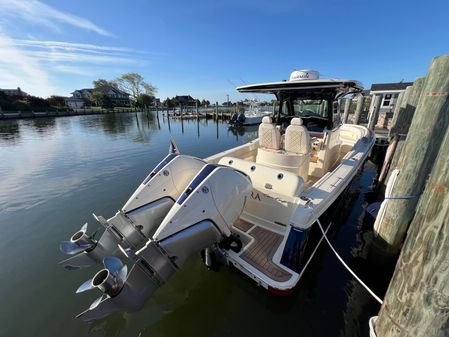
(297, 138)
(269, 135)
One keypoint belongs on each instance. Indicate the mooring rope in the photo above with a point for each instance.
(377, 298)
(404, 197)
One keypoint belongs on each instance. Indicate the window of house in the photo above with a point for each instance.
(387, 100)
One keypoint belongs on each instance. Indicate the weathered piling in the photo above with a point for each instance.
(402, 118)
(423, 142)
(346, 111)
(358, 109)
(374, 113)
(417, 299)
(216, 110)
(197, 110)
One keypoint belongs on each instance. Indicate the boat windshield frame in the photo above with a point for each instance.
(288, 91)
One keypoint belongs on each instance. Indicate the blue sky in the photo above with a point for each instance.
(204, 48)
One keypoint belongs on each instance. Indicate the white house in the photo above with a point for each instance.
(116, 96)
(389, 92)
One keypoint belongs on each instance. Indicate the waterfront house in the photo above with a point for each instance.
(389, 93)
(14, 92)
(115, 96)
(184, 100)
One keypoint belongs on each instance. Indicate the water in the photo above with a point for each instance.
(54, 172)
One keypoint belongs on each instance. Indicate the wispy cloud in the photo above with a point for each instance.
(35, 64)
(85, 47)
(38, 13)
(17, 68)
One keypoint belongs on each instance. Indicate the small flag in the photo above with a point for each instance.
(173, 149)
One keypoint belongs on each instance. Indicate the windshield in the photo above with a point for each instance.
(310, 107)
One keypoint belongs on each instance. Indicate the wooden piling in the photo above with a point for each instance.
(216, 110)
(374, 113)
(358, 109)
(402, 119)
(346, 112)
(429, 124)
(417, 299)
(197, 110)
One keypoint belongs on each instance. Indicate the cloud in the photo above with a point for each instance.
(69, 46)
(39, 13)
(18, 69)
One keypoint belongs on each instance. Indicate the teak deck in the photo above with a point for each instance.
(261, 251)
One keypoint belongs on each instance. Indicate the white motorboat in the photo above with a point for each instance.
(252, 116)
(254, 207)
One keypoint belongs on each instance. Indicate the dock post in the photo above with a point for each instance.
(429, 124)
(402, 118)
(216, 110)
(197, 110)
(417, 298)
(358, 109)
(374, 113)
(346, 113)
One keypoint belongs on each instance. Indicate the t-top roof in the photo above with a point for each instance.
(338, 86)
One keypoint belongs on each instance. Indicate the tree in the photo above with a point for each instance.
(97, 97)
(134, 85)
(144, 99)
(56, 101)
(101, 83)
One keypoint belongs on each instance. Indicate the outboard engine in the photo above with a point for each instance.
(233, 119)
(241, 118)
(140, 216)
(202, 217)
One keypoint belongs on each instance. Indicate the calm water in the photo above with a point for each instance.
(55, 172)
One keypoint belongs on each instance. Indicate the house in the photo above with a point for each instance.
(184, 100)
(389, 93)
(74, 103)
(116, 96)
(14, 92)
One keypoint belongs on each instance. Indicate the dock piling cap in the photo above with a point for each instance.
(301, 75)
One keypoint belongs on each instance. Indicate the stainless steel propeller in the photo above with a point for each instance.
(109, 280)
(78, 243)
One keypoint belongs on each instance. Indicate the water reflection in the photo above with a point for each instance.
(50, 185)
(9, 132)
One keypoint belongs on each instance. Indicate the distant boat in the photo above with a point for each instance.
(252, 116)
(256, 207)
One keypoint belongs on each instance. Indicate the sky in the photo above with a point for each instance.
(205, 48)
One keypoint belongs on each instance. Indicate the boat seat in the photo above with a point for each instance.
(274, 190)
(269, 135)
(297, 138)
(297, 144)
(329, 153)
(267, 178)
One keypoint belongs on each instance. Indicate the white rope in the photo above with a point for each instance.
(346, 266)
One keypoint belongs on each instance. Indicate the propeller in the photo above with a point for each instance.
(109, 280)
(79, 242)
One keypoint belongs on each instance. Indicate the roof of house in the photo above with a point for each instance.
(16, 91)
(104, 89)
(184, 97)
(390, 86)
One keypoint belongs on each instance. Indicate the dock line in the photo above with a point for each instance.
(346, 266)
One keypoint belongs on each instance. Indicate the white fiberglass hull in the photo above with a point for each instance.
(303, 210)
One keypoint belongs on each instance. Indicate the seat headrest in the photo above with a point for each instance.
(296, 121)
(266, 120)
